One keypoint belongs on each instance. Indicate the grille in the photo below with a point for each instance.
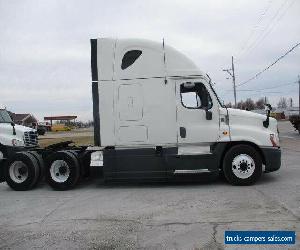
(30, 139)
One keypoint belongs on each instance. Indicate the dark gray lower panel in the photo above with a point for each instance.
(159, 163)
(143, 163)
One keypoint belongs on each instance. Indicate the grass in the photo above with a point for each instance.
(78, 140)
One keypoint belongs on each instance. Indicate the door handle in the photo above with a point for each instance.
(182, 131)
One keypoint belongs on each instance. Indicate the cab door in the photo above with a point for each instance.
(197, 116)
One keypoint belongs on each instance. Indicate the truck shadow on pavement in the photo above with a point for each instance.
(96, 178)
(201, 180)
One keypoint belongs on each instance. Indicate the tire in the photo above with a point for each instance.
(75, 153)
(22, 171)
(41, 163)
(3, 160)
(84, 161)
(242, 165)
(62, 170)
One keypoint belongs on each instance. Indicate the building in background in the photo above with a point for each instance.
(27, 120)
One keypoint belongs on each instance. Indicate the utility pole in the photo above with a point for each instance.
(233, 81)
(232, 74)
(299, 93)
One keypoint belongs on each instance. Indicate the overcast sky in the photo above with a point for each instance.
(45, 50)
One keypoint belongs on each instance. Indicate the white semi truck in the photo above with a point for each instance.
(13, 138)
(156, 116)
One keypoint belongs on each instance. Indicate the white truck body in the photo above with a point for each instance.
(141, 106)
(150, 100)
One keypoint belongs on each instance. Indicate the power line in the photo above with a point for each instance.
(257, 93)
(274, 87)
(252, 90)
(270, 28)
(266, 30)
(261, 17)
(272, 64)
(261, 91)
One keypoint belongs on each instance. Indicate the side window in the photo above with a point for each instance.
(194, 95)
(130, 57)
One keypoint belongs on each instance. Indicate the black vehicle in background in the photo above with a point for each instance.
(295, 120)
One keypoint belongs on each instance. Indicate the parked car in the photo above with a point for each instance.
(41, 130)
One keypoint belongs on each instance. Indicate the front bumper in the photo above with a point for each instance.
(272, 158)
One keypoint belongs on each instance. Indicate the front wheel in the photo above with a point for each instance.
(242, 165)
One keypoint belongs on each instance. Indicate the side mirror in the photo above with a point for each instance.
(208, 114)
(14, 130)
(268, 109)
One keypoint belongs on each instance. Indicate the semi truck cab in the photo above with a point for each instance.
(157, 115)
(13, 138)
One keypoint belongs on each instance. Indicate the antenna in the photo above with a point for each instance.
(165, 61)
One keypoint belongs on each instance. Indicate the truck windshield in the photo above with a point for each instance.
(4, 117)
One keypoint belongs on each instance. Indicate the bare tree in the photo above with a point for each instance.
(260, 103)
(229, 105)
(240, 104)
(249, 104)
(282, 103)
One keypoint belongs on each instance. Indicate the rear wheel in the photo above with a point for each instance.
(22, 171)
(40, 160)
(242, 165)
(63, 170)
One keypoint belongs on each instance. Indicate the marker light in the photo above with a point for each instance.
(14, 142)
(273, 140)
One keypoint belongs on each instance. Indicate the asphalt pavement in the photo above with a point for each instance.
(154, 216)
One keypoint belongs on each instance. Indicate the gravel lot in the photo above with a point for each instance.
(154, 216)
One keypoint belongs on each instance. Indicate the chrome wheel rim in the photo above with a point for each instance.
(243, 166)
(59, 171)
(18, 171)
